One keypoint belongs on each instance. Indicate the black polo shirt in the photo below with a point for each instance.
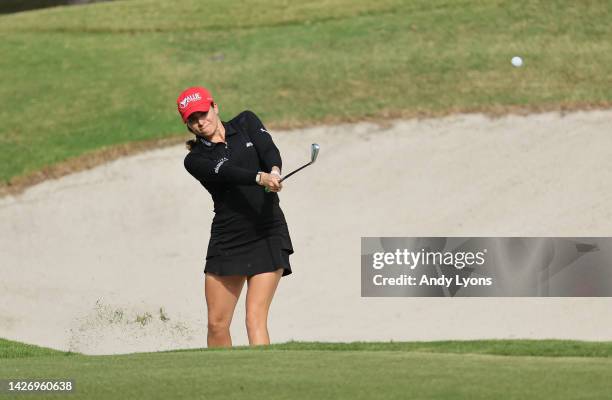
(228, 171)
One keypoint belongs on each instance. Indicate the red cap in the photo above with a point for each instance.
(193, 99)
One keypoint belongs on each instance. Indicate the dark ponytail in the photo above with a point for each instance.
(191, 142)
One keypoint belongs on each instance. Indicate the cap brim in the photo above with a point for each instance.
(190, 110)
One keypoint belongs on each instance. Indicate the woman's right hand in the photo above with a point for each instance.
(272, 182)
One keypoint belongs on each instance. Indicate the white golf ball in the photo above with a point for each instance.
(517, 61)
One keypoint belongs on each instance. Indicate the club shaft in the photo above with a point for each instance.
(302, 167)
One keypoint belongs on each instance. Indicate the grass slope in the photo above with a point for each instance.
(429, 370)
(79, 79)
(12, 349)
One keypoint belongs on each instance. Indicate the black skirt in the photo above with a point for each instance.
(249, 234)
(265, 254)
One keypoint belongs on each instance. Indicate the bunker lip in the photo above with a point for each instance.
(19, 184)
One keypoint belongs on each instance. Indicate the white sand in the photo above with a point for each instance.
(82, 257)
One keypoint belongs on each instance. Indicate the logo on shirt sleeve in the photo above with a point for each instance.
(219, 164)
(249, 144)
(263, 130)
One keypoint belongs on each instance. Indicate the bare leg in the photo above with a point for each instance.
(261, 288)
(222, 293)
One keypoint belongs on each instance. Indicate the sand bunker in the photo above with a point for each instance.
(110, 260)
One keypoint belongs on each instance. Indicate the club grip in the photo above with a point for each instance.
(268, 190)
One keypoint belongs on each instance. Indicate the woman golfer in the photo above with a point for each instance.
(249, 239)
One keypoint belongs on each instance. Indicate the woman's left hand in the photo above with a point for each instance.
(277, 174)
(271, 182)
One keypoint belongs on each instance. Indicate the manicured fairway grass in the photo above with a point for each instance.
(295, 370)
(80, 79)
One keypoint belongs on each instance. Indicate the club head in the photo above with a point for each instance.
(314, 152)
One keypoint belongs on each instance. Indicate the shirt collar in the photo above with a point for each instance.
(229, 131)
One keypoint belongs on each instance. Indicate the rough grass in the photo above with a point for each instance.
(78, 80)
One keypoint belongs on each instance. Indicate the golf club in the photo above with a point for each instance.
(314, 152)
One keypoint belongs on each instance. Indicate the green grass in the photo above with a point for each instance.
(426, 370)
(536, 348)
(78, 79)
(12, 349)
